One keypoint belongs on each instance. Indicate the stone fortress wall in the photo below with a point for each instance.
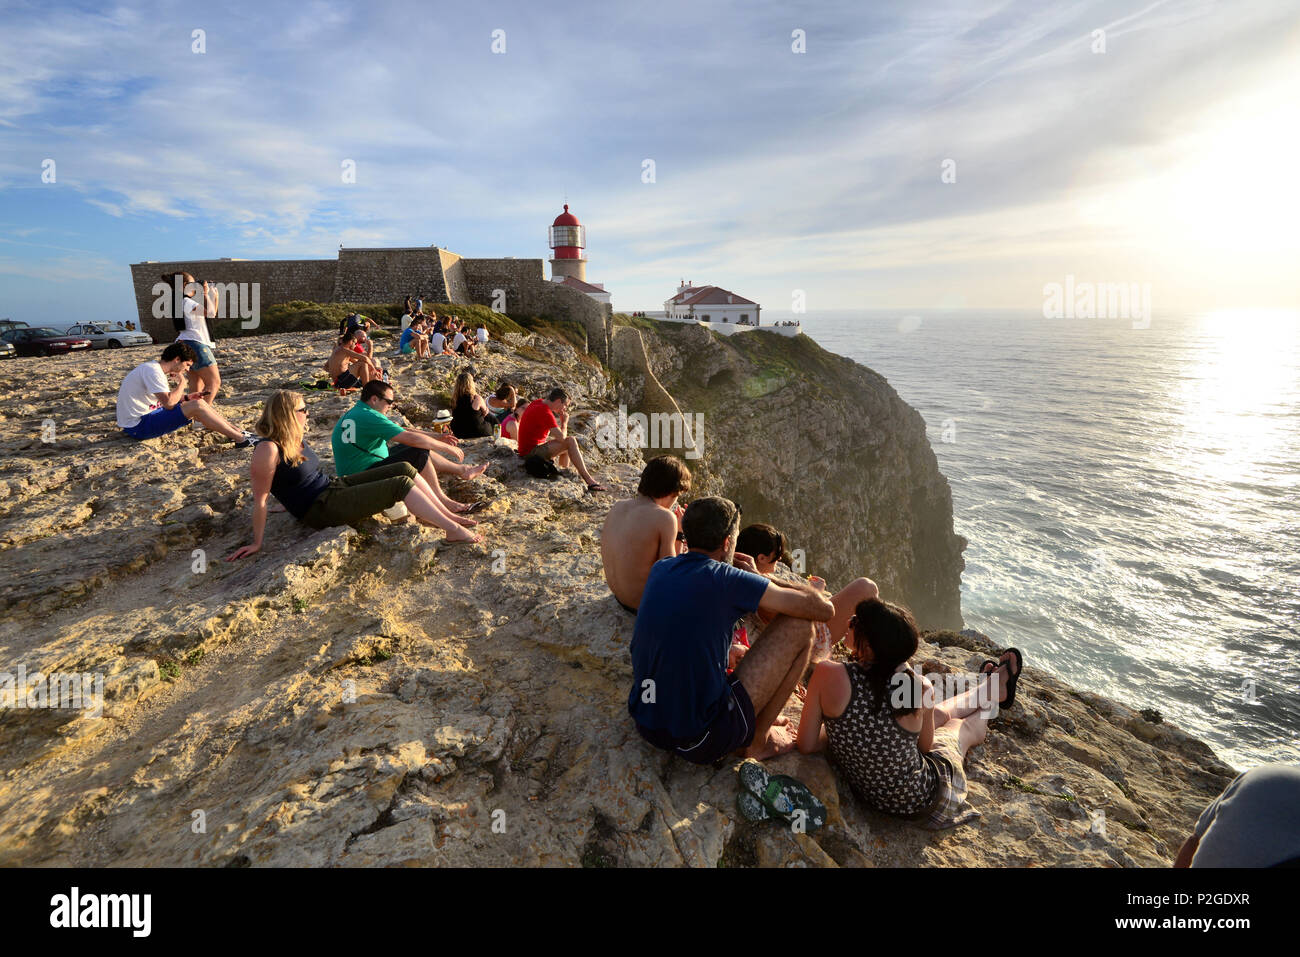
(513, 286)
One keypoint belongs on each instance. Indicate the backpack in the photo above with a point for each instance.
(540, 467)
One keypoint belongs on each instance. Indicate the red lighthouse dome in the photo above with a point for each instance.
(567, 236)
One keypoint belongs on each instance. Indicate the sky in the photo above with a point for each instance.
(798, 150)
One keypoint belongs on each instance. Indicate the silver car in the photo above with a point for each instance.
(106, 335)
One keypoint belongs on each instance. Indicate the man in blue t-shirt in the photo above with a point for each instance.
(682, 698)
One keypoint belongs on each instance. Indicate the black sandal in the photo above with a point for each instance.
(1012, 679)
(476, 507)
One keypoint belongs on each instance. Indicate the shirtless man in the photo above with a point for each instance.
(640, 531)
(347, 368)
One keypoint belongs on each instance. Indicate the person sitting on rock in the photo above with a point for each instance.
(347, 368)
(510, 421)
(149, 405)
(682, 699)
(902, 753)
(768, 548)
(502, 402)
(470, 417)
(414, 340)
(361, 438)
(641, 530)
(285, 467)
(543, 432)
(1255, 822)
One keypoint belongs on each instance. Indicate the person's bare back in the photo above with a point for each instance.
(637, 533)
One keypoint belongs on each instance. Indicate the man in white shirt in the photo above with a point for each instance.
(482, 335)
(437, 344)
(148, 405)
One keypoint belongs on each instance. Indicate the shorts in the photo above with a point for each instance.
(950, 808)
(346, 380)
(158, 422)
(406, 453)
(731, 730)
(204, 356)
(407, 349)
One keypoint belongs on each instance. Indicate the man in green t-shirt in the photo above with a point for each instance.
(362, 435)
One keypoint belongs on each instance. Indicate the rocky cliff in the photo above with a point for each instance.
(373, 696)
(814, 444)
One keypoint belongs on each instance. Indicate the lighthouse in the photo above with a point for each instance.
(568, 239)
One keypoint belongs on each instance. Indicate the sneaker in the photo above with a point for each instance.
(397, 512)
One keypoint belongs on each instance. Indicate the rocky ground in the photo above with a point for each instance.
(373, 696)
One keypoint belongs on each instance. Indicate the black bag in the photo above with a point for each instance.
(538, 466)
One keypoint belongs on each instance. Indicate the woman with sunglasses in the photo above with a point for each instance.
(285, 467)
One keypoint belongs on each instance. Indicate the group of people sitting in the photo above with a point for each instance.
(431, 335)
(700, 694)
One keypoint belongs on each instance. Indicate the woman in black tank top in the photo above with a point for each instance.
(902, 754)
(285, 467)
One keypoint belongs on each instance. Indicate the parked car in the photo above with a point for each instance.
(7, 351)
(104, 335)
(40, 341)
(7, 324)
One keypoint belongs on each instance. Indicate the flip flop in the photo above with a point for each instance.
(751, 808)
(1011, 681)
(476, 507)
(784, 797)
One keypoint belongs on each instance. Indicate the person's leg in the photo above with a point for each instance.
(427, 482)
(563, 451)
(428, 512)
(361, 369)
(860, 589)
(974, 699)
(446, 466)
(201, 412)
(210, 379)
(967, 732)
(355, 498)
(769, 671)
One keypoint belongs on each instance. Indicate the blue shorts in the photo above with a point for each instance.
(731, 730)
(158, 422)
(204, 355)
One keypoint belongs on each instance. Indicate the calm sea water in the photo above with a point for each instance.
(1130, 498)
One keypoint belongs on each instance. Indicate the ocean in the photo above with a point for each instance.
(1130, 499)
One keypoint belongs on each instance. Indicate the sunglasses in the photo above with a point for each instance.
(302, 409)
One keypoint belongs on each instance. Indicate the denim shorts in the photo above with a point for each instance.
(204, 355)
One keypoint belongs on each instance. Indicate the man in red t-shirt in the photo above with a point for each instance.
(543, 431)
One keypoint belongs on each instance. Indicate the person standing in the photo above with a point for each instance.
(191, 322)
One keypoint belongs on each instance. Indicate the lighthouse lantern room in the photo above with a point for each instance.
(568, 239)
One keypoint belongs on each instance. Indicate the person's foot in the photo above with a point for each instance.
(475, 472)
(595, 487)
(1005, 668)
(777, 741)
(466, 522)
(463, 537)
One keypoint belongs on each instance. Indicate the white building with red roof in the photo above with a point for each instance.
(719, 309)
